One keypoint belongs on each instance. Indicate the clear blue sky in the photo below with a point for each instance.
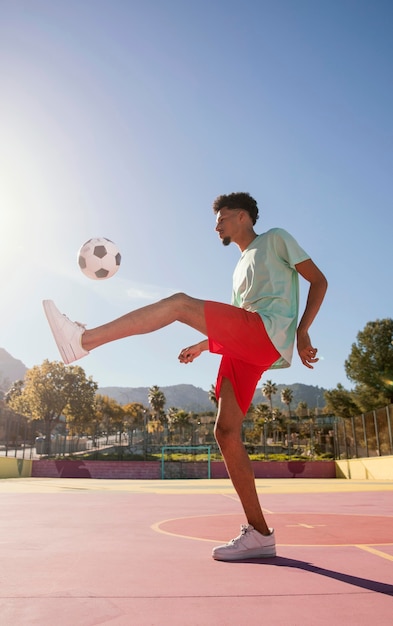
(126, 119)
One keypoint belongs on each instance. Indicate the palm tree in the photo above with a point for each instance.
(277, 422)
(171, 417)
(262, 415)
(286, 398)
(212, 395)
(302, 409)
(180, 419)
(157, 401)
(269, 389)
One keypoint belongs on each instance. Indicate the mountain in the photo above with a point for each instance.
(10, 370)
(187, 397)
(312, 395)
(195, 399)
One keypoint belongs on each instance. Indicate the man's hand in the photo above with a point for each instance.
(187, 355)
(307, 353)
(316, 294)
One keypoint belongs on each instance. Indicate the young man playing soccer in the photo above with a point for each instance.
(254, 333)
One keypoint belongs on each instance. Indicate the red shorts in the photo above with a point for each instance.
(247, 351)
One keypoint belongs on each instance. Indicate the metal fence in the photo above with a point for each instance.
(308, 437)
(23, 439)
(367, 435)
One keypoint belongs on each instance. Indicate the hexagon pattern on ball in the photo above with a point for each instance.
(99, 258)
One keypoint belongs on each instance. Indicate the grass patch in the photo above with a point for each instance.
(178, 457)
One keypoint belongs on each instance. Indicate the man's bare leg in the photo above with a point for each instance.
(228, 435)
(176, 308)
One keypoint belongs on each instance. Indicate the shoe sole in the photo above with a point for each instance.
(50, 311)
(247, 554)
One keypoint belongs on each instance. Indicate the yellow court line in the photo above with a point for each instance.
(157, 528)
(315, 485)
(383, 555)
(190, 487)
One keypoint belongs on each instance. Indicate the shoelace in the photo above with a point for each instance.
(244, 528)
(77, 323)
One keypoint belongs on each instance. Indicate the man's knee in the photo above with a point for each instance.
(225, 432)
(180, 301)
(178, 298)
(188, 310)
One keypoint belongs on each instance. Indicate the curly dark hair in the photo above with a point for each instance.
(238, 200)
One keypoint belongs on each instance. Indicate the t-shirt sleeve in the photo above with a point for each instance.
(288, 249)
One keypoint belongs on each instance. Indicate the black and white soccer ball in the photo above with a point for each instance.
(99, 258)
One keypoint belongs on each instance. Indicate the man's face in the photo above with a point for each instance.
(226, 224)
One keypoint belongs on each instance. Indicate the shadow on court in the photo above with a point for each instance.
(362, 583)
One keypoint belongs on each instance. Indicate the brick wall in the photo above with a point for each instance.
(96, 469)
(151, 470)
(282, 469)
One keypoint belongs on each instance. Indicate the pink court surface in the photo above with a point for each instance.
(84, 552)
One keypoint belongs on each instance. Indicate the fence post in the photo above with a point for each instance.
(17, 436)
(365, 434)
(7, 431)
(389, 430)
(289, 439)
(376, 433)
(336, 441)
(265, 438)
(355, 441)
(24, 438)
(312, 435)
(345, 438)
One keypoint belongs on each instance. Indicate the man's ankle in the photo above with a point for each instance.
(262, 529)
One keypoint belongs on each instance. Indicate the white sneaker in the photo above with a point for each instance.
(67, 334)
(250, 544)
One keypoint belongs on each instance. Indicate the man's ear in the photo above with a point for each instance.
(244, 216)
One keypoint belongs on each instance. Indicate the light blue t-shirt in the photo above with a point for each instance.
(265, 281)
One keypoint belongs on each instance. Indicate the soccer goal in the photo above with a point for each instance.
(185, 462)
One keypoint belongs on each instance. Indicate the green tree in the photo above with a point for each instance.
(340, 402)
(135, 416)
(52, 390)
(157, 402)
(287, 398)
(172, 415)
(262, 416)
(179, 420)
(11, 422)
(134, 413)
(109, 415)
(212, 395)
(370, 363)
(302, 409)
(277, 423)
(262, 412)
(81, 403)
(269, 389)
(13, 397)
